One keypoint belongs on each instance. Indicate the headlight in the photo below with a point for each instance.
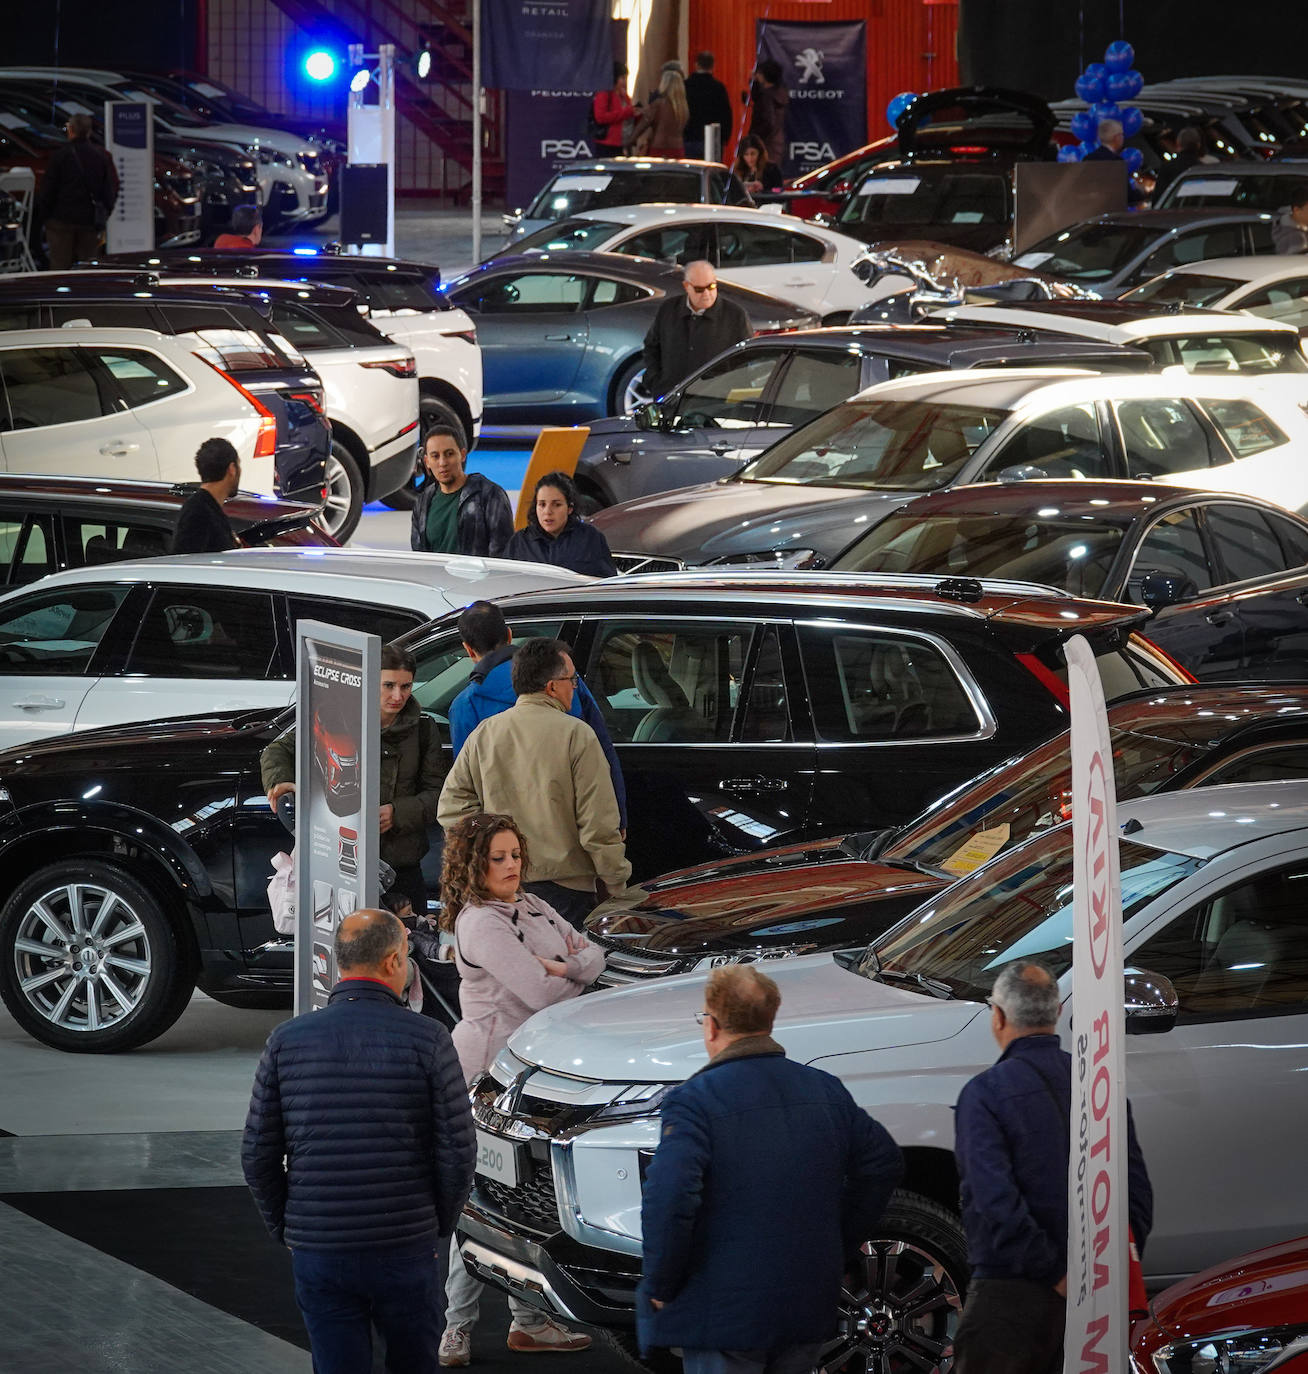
(1250, 1352)
(641, 1100)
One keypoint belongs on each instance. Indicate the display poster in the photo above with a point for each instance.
(1097, 1237)
(546, 132)
(337, 759)
(129, 140)
(530, 45)
(1046, 199)
(824, 66)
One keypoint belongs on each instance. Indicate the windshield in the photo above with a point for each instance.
(567, 235)
(1228, 192)
(929, 195)
(871, 445)
(571, 192)
(1019, 907)
(176, 115)
(1088, 252)
(1072, 552)
(1185, 288)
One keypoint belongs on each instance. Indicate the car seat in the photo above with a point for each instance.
(1255, 962)
(671, 717)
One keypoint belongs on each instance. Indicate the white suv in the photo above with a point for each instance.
(1217, 1013)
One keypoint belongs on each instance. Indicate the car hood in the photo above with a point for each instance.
(734, 519)
(648, 1033)
(610, 425)
(1264, 1288)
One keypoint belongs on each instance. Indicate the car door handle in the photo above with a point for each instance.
(1218, 617)
(40, 704)
(719, 447)
(753, 785)
(558, 338)
(118, 448)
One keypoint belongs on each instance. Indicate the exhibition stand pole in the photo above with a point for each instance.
(476, 130)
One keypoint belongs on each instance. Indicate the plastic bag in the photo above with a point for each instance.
(281, 893)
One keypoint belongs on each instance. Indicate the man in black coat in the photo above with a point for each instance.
(359, 1151)
(77, 193)
(458, 511)
(690, 329)
(708, 103)
(202, 524)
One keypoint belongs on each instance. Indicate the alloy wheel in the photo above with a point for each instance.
(634, 394)
(340, 497)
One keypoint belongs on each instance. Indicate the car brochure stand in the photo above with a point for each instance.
(129, 140)
(338, 780)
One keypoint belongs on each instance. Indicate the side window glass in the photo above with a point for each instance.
(1242, 954)
(668, 685)
(1161, 437)
(303, 330)
(56, 632)
(1064, 443)
(1173, 548)
(726, 395)
(1256, 354)
(350, 615)
(813, 384)
(534, 293)
(750, 245)
(1245, 427)
(26, 549)
(1286, 302)
(1262, 765)
(98, 543)
(673, 243)
(870, 688)
(766, 716)
(49, 386)
(140, 377)
(1294, 540)
(444, 668)
(191, 632)
(805, 249)
(1223, 241)
(606, 291)
(105, 314)
(1245, 543)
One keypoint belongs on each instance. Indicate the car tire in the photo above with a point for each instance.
(901, 1311)
(345, 488)
(628, 392)
(624, 1345)
(128, 975)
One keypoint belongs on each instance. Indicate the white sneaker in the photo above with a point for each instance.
(456, 1348)
(548, 1337)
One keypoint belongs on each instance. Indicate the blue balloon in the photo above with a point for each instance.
(1133, 158)
(1119, 56)
(1083, 125)
(1070, 153)
(1086, 148)
(1089, 88)
(1123, 85)
(1106, 109)
(1132, 120)
(898, 105)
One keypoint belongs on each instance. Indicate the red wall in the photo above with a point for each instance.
(897, 43)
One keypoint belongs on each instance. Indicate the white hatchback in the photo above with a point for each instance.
(141, 641)
(1275, 288)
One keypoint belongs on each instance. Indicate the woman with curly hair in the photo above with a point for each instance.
(515, 955)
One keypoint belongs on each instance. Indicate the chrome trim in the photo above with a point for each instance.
(565, 1199)
(512, 1276)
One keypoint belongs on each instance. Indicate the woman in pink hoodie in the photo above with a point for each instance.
(515, 955)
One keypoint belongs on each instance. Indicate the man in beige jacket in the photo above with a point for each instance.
(547, 770)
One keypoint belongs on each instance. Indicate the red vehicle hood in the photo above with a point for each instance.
(1264, 1288)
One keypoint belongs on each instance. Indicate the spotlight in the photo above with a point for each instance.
(422, 65)
(320, 66)
(359, 81)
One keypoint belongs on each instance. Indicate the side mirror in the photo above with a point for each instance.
(1021, 472)
(1151, 1003)
(649, 416)
(1164, 589)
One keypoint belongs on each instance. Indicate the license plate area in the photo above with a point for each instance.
(503, 1160)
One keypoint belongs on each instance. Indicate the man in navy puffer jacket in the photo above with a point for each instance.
(359, 1151)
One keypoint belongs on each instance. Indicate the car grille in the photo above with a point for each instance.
(646, 563)
(531, 1204)
(622, 966)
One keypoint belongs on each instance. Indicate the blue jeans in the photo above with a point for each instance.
(785, 1359)
(343, 1294)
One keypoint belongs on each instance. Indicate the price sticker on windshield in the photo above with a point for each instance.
(975, 850)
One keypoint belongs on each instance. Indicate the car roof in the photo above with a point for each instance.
(950, 344)
(1208, 821)
(69, 335)
(1116, 321)
(93, 282)
(1256, 267)
(655, 212)
(1294, 170)
(301, 259)
(1164, 221)
(640, 164)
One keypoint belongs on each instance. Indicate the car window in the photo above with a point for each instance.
(20, 317)
(726, 394)
(351, 615)
(1294, 540)
(50, 386)
(765, 715)
(668, 684)
(878, 688)
(92, 542)
(56, 632)
(104, 314)
(923, 196)
(1243, 953)
(1202, 245)
(444, 668)
(752, 245)
(671, 243)
(533, 293)
(735, 190)
(1245, 427)
(607, 291)
(234, 350)
(1172, 548)
(813, 383)
(303, 330)
(1286, 302)
(402, 291)
(805, 248)
(1223, 354)
(198, 632)
(1064, 443)
(1266, 764)
(140, 377)
(26, 548)
(1245, 543)
(567, 235)
(1161, 437)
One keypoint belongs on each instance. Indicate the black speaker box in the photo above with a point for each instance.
(364, 198)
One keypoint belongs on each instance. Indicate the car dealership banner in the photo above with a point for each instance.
(528, 45)
(129, 140)
(546, 132)
(824, 67)
(337, 772)
(1097, 1283)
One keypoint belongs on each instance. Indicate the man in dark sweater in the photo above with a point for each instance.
(708, 103)
(690, 329)
(77, 193)
(458, 511)
(202, 526)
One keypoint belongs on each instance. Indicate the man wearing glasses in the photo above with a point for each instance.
(767, 1179)
(690, 329)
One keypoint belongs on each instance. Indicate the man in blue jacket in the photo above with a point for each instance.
(1011, 1140)
(359, 1151)
(767, 1179)
(488, 641)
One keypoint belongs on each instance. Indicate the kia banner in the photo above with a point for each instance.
(1096, 1335)
(337, 781)
(530, 44)
(824, 66)
(546, 132)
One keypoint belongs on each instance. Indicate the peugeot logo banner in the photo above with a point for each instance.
(824, 66)
(531, 45)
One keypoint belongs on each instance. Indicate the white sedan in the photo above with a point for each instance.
(1274, 287)
(790, 259)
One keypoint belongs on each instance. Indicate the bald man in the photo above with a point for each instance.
(690, 328)
(339, 1093)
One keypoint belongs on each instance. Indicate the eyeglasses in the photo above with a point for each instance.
(702, 1016)
(574, 679)
(712, 286)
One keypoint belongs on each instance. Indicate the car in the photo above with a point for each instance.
(801, 501)
(747, 398)
(1112, 253)
(562, 341)
(140, 640)
(1251, 1311)
(609, 181)
(225, 330)
(1272, 288)
(1216, 1014)
(752, 708)
(1237, 185)
(1223, 576)
(48, 524)
(846, 890)
(781, 256)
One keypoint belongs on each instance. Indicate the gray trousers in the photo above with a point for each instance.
(463, 1294)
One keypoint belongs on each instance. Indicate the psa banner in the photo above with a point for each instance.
(824, 67)
(546, 132)
(337, 761)
(529, 44)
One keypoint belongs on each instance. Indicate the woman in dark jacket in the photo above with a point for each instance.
(556, 533)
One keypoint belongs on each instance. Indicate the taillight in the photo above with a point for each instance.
(265, 444)
(468, 335)
(397, 367)
(310, 398)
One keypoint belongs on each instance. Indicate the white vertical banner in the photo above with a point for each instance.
(1097, 1236)
(129, 140)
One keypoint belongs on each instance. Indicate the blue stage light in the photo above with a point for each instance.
(320, 66)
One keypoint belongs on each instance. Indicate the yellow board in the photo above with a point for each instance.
(557, 450)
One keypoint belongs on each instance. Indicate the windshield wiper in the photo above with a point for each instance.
(933, 987)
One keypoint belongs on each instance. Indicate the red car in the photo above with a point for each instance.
(1249, 1316)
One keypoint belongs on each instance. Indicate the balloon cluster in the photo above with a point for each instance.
(898, 105)
(1106, 86)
